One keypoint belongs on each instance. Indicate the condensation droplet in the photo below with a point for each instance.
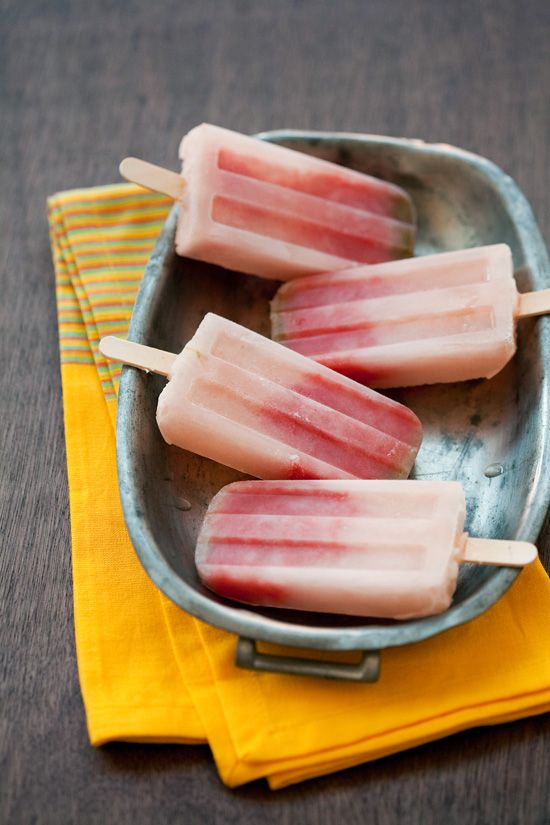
(494, 470)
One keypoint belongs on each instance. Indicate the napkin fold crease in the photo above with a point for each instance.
(148, 671)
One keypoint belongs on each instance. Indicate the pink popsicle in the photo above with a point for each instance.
(387, 549)
(267, 210)
(437, 318)
(247, 402)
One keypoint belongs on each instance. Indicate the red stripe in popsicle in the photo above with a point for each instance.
(364, 192)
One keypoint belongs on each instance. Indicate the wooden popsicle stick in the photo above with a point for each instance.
(152, 177)
(495, 551)
(534, 303)
(137, 355)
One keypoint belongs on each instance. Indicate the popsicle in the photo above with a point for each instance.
(431, 319)
(241, 399)
(253, 206)
(385, 549)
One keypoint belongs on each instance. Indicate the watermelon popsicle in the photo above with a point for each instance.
(385, 549)
(239, 398)
(436, 318)
(263, 209)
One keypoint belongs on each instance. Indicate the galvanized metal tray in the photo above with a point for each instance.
(490, 435)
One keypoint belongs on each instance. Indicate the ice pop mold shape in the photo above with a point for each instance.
(426, 320)
(384, 549)
(262, 209)
(251, 404)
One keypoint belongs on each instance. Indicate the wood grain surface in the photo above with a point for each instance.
(83, 84)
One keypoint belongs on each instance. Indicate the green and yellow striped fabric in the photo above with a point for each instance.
(102, 239)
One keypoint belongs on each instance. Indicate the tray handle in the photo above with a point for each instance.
(248, 656)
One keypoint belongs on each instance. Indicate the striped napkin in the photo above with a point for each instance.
(101, 241)
(151, 673)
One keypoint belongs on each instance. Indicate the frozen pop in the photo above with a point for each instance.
(241, 399)
(256, 207)
(436, 318)
(386, 549)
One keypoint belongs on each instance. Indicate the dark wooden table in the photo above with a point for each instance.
(85, 83)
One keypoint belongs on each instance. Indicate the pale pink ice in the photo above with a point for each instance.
(436, 318)
(254, 405)
(387, 549)
(267, 210)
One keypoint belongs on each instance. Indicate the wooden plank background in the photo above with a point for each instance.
(81, 85)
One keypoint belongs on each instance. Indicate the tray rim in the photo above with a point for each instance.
(245, 620)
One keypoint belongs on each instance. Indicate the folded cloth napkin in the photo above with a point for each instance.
(151, 673)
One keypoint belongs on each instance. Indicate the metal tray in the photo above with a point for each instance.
(490, 435)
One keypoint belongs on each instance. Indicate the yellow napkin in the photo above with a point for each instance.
(151, 673)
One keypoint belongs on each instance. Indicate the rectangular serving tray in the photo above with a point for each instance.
(492, 435)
